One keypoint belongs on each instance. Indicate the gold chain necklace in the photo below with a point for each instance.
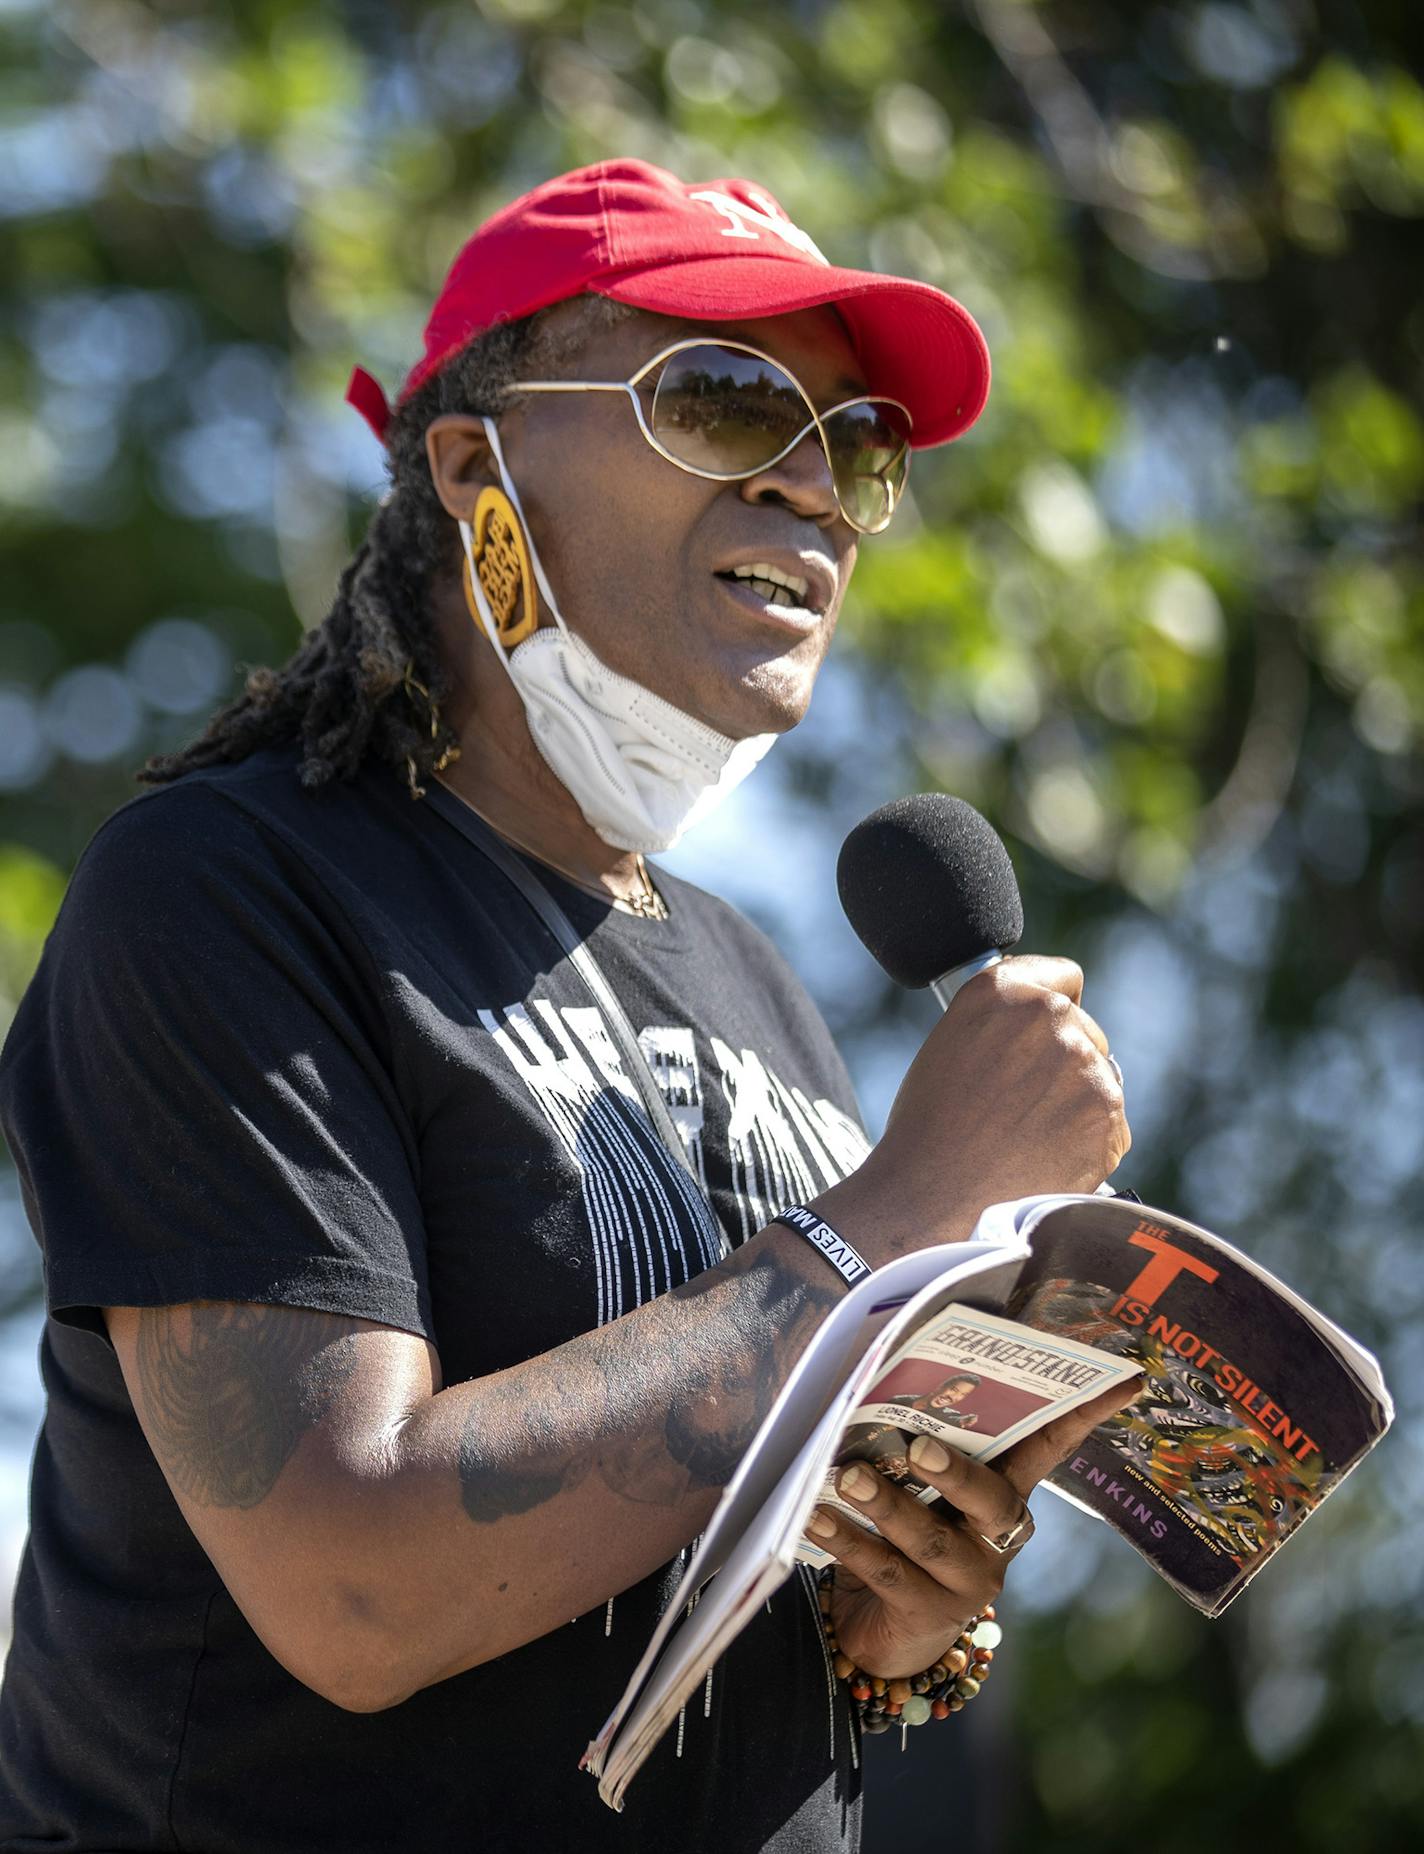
(647, 905)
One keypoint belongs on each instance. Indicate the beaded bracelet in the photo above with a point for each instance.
(946, 1687)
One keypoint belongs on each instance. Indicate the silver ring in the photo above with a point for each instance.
(1116, 1067)
(1008, 1541)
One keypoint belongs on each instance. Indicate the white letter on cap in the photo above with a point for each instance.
(742, 218)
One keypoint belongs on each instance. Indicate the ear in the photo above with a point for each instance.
(460, 461)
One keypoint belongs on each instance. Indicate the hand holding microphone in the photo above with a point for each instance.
(1013, 1093)
(1015, 1090)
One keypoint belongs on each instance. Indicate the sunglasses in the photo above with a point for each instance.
(724, 411)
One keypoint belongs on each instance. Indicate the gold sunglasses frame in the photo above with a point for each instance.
(814, 422)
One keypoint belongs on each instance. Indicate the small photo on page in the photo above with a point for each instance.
(962, 1400)
(978, 1384)
(973, 1381)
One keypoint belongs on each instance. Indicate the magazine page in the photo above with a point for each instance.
(769, 1497)
(706, 1623)
(978, 1384)
(1251, 1412)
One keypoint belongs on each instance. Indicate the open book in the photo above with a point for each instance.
(1252, 1408)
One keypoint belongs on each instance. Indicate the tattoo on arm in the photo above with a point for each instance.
(709, 1432)
(567, 1413)
(532, 1466)
(230, 1388)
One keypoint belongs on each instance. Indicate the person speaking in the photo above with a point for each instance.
(394, 1357)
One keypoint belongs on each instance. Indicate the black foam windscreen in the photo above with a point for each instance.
(927, 884)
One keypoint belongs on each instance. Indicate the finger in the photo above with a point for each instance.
(1092, 1030)
(946, 1552)
(1043, 969)
(989, 1505)
(908, 1593)
(1025, 1465)
(1057, 975)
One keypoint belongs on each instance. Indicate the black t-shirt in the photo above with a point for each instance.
(312, 1049)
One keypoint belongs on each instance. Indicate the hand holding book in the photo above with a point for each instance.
(904, 1591)
(1247, 1407)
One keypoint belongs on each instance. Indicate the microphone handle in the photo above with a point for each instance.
(949, 984)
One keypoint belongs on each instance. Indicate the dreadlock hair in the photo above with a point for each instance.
(369, 680)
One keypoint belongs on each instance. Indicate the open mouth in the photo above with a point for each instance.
(772, 585)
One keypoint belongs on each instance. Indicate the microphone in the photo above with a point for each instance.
(927, 884)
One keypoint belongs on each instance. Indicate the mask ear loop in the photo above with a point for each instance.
(482, 604)
(507, 484)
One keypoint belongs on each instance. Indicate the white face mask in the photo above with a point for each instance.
(640, 770)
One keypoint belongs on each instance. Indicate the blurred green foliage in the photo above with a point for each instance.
(31, 889)
(1161, 613)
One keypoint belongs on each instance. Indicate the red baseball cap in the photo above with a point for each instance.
(713, 250)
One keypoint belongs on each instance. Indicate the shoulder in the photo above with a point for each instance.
(220, 854)
(171, 846)
(189, 903)
(253, 815)
(218, 808)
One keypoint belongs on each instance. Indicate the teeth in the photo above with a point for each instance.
(768, 580)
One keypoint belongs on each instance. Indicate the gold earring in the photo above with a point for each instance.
(452, 752)
(411, 685)
(501, 556)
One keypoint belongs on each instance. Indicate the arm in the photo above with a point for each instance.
(381, 1533)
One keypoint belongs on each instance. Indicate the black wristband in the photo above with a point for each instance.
(837, 1251)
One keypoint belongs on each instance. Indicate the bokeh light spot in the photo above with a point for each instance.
(25, 753)
(178, 666)
(93, 714)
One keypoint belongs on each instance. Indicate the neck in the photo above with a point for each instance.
(504, 776)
